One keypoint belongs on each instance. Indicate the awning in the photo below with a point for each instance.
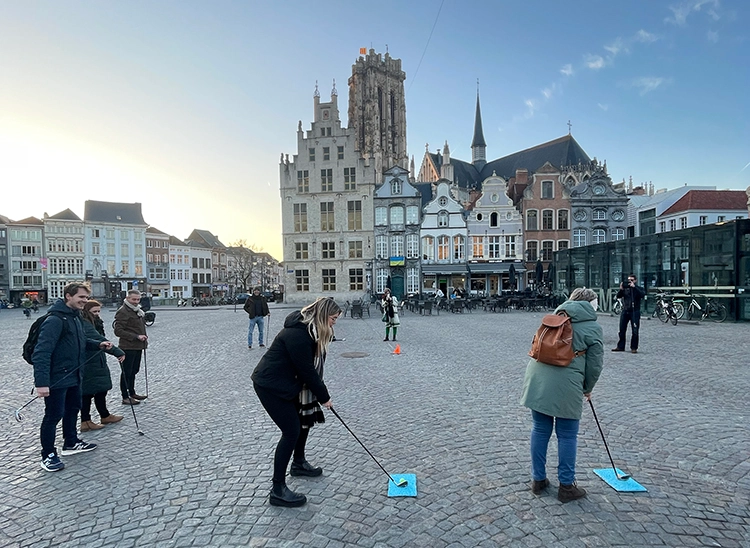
(444, 269)
(494, 268)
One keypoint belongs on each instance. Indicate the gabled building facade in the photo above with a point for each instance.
(65, 251)
(702, 207)
(219, 284)
(27, 260)
(599, 211)
(201, 268)
(180, 278)
(157, 262)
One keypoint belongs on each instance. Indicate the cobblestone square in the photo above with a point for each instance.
(446, 409)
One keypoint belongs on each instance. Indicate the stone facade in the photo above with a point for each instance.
(599, 212)
(64, 244)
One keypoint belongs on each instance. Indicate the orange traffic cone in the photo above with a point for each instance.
(397, 349)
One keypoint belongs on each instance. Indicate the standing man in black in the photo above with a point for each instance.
(631, 295)
(256, 307)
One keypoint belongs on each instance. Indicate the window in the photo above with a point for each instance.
(532, 250)
(350, 178)
(477, 247)
(326, 180)
(703, 220)
(110, 233)
(599, 235)
(381, 216)
(326, 153)
(110, 248)
(354, 210)
(562, 219)
(721, 219)
(494, 246)
(579, 237)
(548, 220)
(303, 181)
(443, 219)
(300, 217)
(95, 249)
(94, 232)
(600, 214)
(428, 248)
(139, 268)
(356, 279)
(301, 251)
(326, 216)
(329, 279)
(328, 250)
(397, 216)
(618, 234)
(412, 280)
(510, 246)
(442, 248)
(548, 246)
(355, 249)
(396, 187)
(381, 247)
(663, 226)
(493, 219)
(412, 246)
(531, 219)
(311, 154)
(302, 278)
(340, 153)
(412, 215)
(547, 190)
(149, 257)
(564, 244)
(683, 222)
(672, 224)
(125, 267)
(381, 279)
(397, 246)
(443, 201)
(124, 250)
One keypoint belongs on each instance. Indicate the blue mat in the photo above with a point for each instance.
(408, 490)
(627, 486)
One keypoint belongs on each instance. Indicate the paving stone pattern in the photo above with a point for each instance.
(446, 409)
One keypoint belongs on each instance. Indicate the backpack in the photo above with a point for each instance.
(33, 337)
(553, 341)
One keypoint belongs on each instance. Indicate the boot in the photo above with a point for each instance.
(538, 486)
(87, 426)
(109, 419)
(566, 493)
(304, 468)
(281, 495)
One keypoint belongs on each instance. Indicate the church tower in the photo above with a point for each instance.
(478, 146)
(377, 110)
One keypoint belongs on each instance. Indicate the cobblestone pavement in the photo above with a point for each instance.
(446, 409)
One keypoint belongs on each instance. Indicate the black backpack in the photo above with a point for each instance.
(33, 336)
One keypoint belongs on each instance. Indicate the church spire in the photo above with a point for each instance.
(478, 146)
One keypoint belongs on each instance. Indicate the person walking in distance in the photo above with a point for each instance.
(631, 295)
(555, 396)
(256, 307)
(289, 383)
(59, 358)
(390, 313)
(130, 327)
(97, 379)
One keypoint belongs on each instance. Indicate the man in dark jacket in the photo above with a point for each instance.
(256, 307)
(59, 357)
(130, 327)
(631, 296)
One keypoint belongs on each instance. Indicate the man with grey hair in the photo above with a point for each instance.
(130, 327)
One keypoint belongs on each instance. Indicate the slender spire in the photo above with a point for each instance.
(478, 145)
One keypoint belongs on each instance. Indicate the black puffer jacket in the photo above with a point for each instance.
(96, 375)
(290, 362)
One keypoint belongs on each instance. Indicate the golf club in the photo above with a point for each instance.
(621, 477)
(400, 483)
(132, 407)
(145, 370)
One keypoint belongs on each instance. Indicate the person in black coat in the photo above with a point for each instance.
(97, 379)
(289, 383)
(631, 296)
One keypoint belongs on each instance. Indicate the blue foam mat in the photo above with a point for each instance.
(408, 490)
(627, 486)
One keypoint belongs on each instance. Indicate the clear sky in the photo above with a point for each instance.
(185, 106)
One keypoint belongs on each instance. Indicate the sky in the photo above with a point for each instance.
(185, 106)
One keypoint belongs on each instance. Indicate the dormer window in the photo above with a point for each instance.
(395, 187)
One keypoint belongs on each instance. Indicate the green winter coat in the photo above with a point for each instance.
(558, 391)
(96, 375)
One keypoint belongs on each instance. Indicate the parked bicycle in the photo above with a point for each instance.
(714, 311)
(666, 308)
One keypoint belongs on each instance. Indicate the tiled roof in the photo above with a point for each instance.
(174, 240)
(715, 200)
(154, 230)
(66, 215)
(113, 212)
(206, 237)
(4, 220)
(27, 221)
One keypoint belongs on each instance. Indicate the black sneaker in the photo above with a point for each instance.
(262, 345)
(304, 468)
(80, 447)
(52, 463)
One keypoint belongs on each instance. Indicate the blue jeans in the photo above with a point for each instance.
(62, 403)
(261, 323)
(567, 445)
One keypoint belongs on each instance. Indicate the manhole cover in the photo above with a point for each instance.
(354, 355)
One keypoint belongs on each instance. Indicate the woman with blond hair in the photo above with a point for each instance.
(389, 304)
(555, 396)
(289, 383)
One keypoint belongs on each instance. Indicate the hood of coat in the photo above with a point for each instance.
(294, 320)
(579, 311)
(60, 307)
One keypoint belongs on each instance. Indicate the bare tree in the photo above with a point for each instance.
(242, 259)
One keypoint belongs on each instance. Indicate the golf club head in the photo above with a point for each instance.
(19, 415)
(402, 483)
(623, 477)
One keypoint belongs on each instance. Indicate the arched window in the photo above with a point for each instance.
(396, 187)
(442, 251)
(458, 248)
(531, 220)
(493, 219)
(599, 235)
(443, 219)
(428, 248)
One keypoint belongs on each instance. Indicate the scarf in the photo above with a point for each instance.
(135, 308)
(310, 411)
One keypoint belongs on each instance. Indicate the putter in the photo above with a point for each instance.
(19, 415)
(400, 483)
(621, 477)
(145, 370)
(132, 407)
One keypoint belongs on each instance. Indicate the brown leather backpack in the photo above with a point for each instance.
(553, 341)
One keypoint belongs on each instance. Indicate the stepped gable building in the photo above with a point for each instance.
(27, 260)
(65, 249)
(599, 211)
(219, 276)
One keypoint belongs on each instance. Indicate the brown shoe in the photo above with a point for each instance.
(634, 351)
(130, 401)
(136, 396)
(538, 486)
(87, 426)
(109, 419)
(618, 350)
(566, 493)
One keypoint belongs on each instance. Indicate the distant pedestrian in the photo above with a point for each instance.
(256, 307)
(390, 313)
(631, 295)
(59, 357)
(555, 396)
(130, 327)
(289, 383)
(97, 379)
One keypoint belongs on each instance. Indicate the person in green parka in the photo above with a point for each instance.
(555, 396)
(97, 379)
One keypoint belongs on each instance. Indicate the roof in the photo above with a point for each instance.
(113, 212)
(154, 230)
(196, 243)
(27, 221)
(478, 140)
(425, 190)
(4, 220)
(206, 237)
(174, 240)
(721, 200)
(66, 215)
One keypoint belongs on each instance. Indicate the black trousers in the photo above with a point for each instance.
(130, 367)
(100, 400)
(630, 316)
(285, 413)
